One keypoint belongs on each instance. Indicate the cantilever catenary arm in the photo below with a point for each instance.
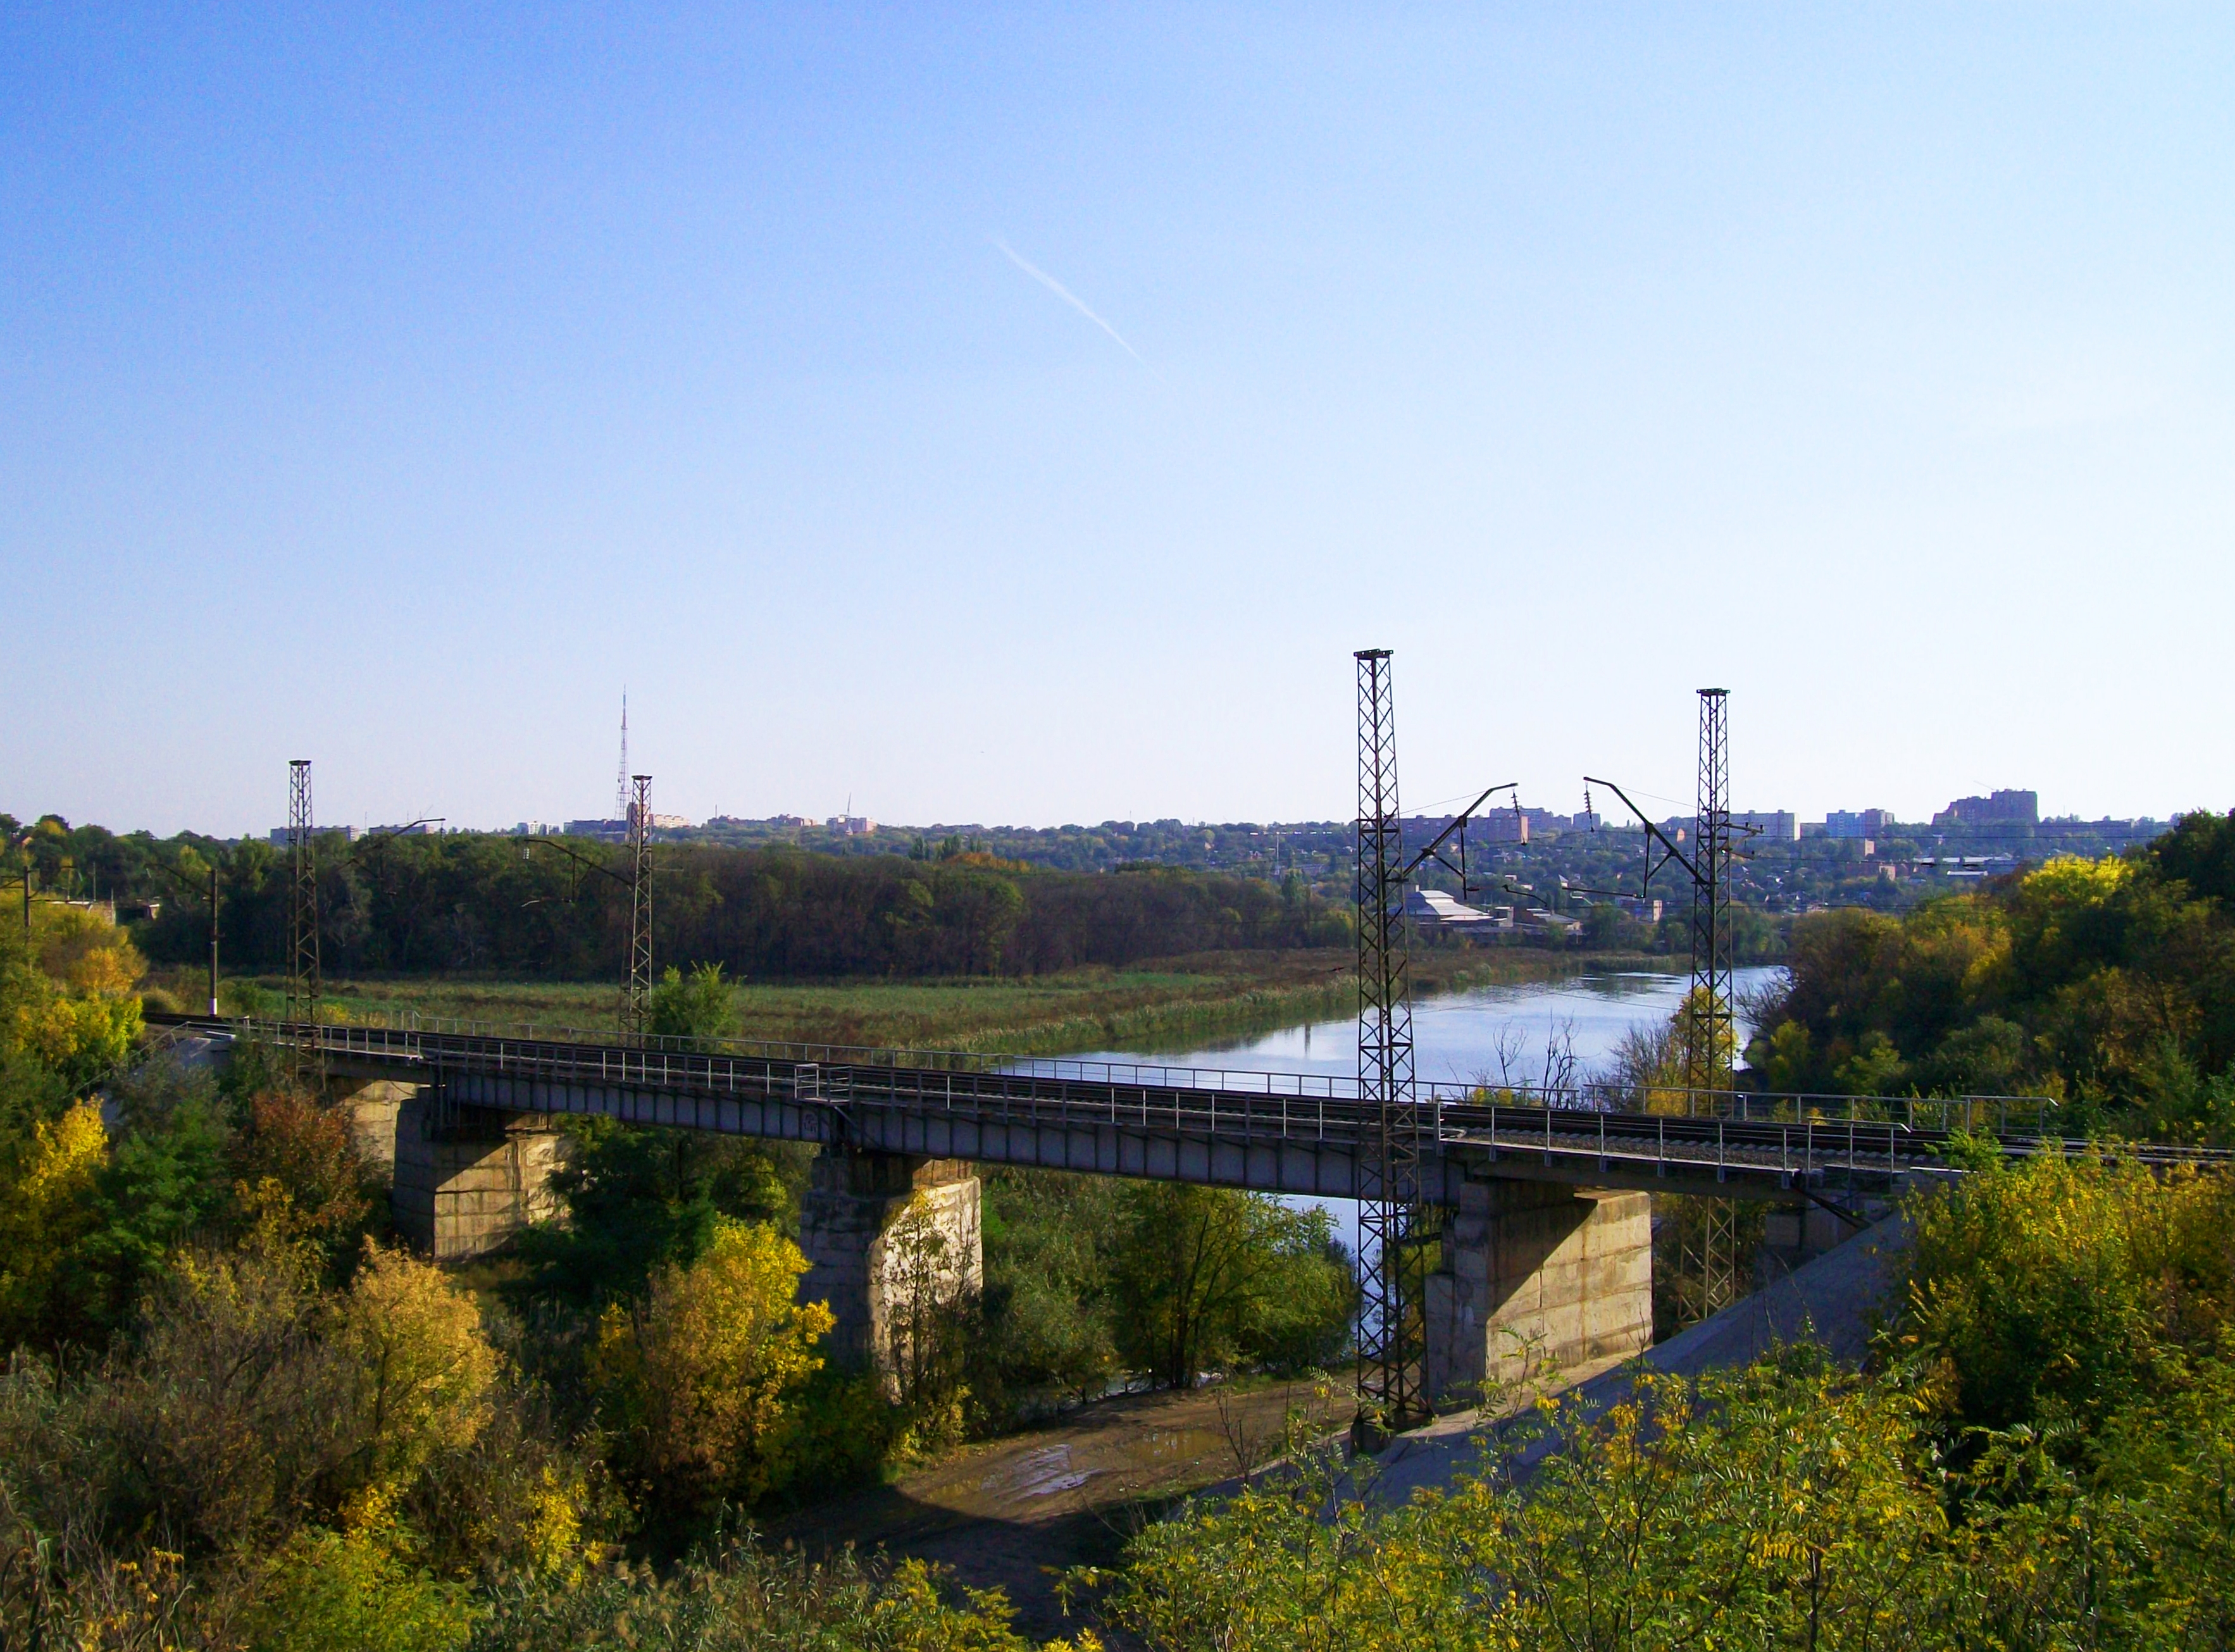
(577, 857)
(1670, 851)
(1443, 836)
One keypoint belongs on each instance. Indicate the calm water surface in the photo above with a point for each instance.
(1498, 1032)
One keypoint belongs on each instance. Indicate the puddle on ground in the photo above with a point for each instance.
(1040, 1474)
(1108, 1455)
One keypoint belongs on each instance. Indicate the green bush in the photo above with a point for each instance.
(330, 1592)
(2057, 1287)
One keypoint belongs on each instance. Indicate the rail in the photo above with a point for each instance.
(1997, 1115)
(1672, 1130)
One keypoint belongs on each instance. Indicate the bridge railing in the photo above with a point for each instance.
(1723, 1132)
(672, 1060)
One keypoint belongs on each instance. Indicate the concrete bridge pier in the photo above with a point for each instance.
(373, 1106)
(1533, 1274)
(468, 1178)
(893, 1244)
(462, 1180)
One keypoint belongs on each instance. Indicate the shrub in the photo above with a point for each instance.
(334, 1592)
(233, 1415)
(2066, 1285)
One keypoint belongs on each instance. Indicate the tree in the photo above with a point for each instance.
(68, 997)
(928, 1290)
(48, 1191)
(424, 1370)
(693, 1377)
(1049, 1241)
(975, 913)
(1204, 1276)
(639, 1197)
(234, 1413)
(296, 1163)
(165, 1181)
(699, 1006)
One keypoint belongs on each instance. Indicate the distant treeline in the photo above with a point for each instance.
(408, 905)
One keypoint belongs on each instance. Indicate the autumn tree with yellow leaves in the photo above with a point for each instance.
(68, 992)
(422, 1369)
(693, 1376)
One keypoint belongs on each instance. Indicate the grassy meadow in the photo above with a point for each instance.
(1162, 1004)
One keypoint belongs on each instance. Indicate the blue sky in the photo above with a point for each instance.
(393, 390)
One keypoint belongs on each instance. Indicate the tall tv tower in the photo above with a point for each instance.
(622, 784)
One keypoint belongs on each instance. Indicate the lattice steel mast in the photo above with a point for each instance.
(1710, 1255)
(303, 984)
(636, 995)
(1708, 1008)
(1389, 1331)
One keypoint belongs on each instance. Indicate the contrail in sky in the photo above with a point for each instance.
(1069, 297)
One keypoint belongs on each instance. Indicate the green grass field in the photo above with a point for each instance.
(1168, 1004)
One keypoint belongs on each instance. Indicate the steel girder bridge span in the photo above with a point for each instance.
(1543, 1227)
(1270, 1132)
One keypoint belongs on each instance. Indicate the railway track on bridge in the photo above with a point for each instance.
(1255, 1127)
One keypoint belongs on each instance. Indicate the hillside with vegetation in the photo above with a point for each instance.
(2109, 983)
(500, 905)
(236, 1415)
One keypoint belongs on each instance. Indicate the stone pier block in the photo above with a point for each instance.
(1534, 1274)
(374, 1107)
(890, 1240)
(466, 1190)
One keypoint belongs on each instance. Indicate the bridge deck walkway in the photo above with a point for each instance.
(1282, 1131)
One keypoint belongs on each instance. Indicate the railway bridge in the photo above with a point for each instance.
(1545, 1235)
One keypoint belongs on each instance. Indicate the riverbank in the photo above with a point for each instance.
(1163, 1004)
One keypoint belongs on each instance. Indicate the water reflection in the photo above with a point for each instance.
(1506, 1034)
(1500, 1033)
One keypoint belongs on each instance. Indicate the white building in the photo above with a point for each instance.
(1433, 906)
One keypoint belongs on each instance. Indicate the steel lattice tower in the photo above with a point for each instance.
(1710, 1257)
(303, 984)
(635, 996)
(1707, 1007)
(1389, 1332)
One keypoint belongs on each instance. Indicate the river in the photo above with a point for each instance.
(1496, 1032)
(1507, 1033)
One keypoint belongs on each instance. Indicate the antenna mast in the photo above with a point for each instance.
(622, 780)
(1389, 1333)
